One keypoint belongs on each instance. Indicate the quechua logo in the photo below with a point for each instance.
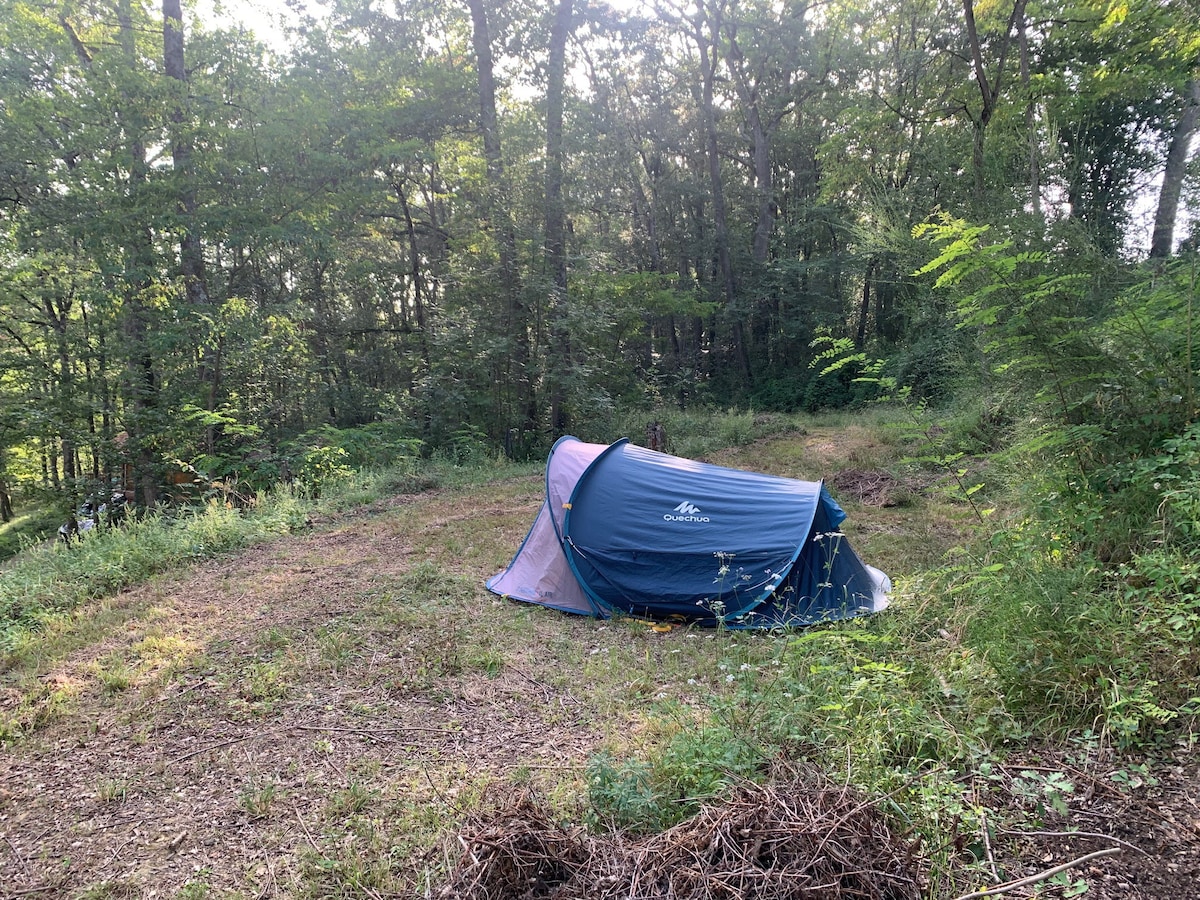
(685, 512)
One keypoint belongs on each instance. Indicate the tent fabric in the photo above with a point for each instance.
(629, 530)
(540, 573)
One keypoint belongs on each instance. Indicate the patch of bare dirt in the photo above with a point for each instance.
(1149, 826)
(877, 488)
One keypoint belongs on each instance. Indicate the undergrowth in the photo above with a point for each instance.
(30, 526)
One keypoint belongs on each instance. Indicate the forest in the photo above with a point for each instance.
(444, 227)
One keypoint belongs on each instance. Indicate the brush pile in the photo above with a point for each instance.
(876, 488)
(788, 841)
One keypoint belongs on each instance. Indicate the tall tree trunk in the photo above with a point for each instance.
(1035, 170)
(517, 315)
(860, 338)
(555, 238)
(989, 88)
(191, 250)
(417, 276)
(706, 44)
(1163, 240)
(760, 149)
(141, 380)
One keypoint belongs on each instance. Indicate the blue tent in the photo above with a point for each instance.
(629, 530)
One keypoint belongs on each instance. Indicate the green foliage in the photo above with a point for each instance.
(321, 467)
(30, 526)
(1029, 319)
(692, 766)
(378, 445)
(836, 697)
(1076, 640)
(467, 447)
(693, 433)
(621, 795)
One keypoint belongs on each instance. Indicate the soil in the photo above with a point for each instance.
(1152, 821)
(200, 771)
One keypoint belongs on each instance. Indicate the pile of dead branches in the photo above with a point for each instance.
(875, 488)
(789, 841)
(518, 851)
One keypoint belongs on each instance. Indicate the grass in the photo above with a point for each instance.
(32, 526)
(53, 580)
(375, 694)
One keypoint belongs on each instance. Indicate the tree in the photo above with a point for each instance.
(990, 84)
(516, 314)
(1162, 241)
(555, 233)
(191, 252)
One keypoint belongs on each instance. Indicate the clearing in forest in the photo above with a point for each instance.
(314, 716)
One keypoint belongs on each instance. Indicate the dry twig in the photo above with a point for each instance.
(1039, 876)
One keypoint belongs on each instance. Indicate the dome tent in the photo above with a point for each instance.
(629, 530)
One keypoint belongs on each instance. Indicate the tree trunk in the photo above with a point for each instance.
(760, 151)
(141, 381)
(415, 273)
(555, 238)
(1163, 240)
(6, 507)
(517, 316)
(989, 88)
(707, 46)
(1035, 172)
(860, 339)
(191, 250)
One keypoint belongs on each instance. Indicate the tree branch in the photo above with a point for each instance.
(1040, 876)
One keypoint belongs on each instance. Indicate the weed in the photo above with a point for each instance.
(112, 790)
(257, 799)
(336, 645)
(1046, 792)
(488, 661)
(263, 682)
(114, 673)
(621, 794)
(196, 888)
(351, 801)
(274, 640)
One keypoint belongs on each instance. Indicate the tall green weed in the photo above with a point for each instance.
(1086, 606)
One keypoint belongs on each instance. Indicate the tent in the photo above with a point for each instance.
(633, 531)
